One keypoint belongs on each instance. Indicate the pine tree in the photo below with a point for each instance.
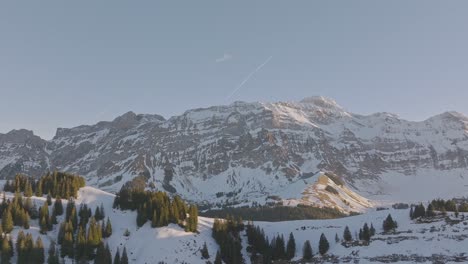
(141, 217)
(204, 252)
(337, 238)
(39, 251)
(81, 247)
(7, 221)
(117, 257)
(94, 235)
(97, 213)
(372, 230)
(307, 251)
(107, 255)
(192, 221)
(7, 251)
(347, 235)
(67, 244)
(49, 200)
(53, 256)
(39, 189)
(108, 229)
(366, 233)
(218, 259)
(360, 234)
(291, 247)
(323, 245)
(103, 213)
(28, 189)
(25, 220)
(124, 258)
(58, 206)
(100, 254)
(154, 220)
(389, 224)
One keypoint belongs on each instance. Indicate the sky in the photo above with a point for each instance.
(68, 63)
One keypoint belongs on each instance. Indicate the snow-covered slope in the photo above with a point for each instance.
(323, 190)
(442, 240)
(170, 244)
(245, 152)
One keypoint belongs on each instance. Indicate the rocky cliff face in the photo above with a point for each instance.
(247, 152)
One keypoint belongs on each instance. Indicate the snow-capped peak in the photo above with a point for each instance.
(321, 101)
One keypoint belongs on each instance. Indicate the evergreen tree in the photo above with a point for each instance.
(34, 212)
(124, 258)
(7, 221)
(81, 247)
(94, 235)
(430, 210)
(372, 230)
(49, 200)
(39, 251)
(291, 247)
(39, 189)
(141, 217)
(100, 254)
(58, 206)
(307, 251)
(337, 239)
(97, 213)
(154, 220)
(323, 245)
(117, 257)
(44, 223)
(366, 234)
(7, 250)
(389, 224)
(107, 255)
(53, 256)
(28, 189)
(67, 244)
(103, 213)
(204, 252)
(25, 220)
(347, 235)
(218, 259)
(108, 230)
(192, 221)
(279, 247)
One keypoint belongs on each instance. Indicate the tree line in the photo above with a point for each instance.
(157, 207)
(227, 234)
(265, 251)
(56, 184)
(276, 213)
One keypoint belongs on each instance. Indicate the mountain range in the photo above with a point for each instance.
(256, 153)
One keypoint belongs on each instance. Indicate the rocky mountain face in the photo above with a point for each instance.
(248, 152)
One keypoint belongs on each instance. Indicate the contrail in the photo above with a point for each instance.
(248, 77)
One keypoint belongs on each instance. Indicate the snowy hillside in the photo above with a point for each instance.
(170, 244)
(442, 239)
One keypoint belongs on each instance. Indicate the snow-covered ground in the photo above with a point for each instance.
(172, 244)
(411, 238)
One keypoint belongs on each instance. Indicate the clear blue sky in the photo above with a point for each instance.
(66, 63)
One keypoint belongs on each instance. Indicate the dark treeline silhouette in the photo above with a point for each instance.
(55, 184)
(226, 234)
(276, 213)
(156, 207)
